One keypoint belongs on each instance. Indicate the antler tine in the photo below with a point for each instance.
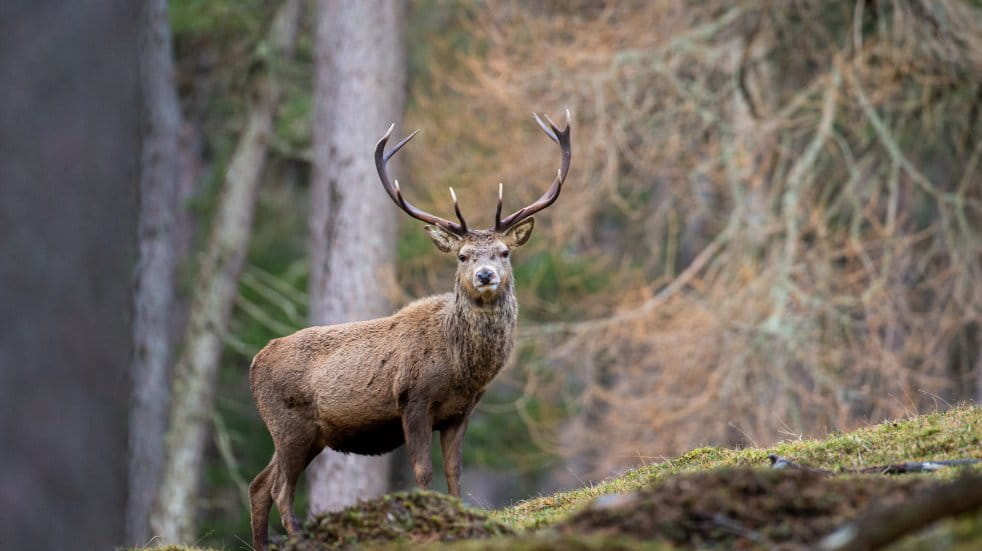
(550, 130)
(456, 208)
(381, 159)
(561, 137)
(395, 149)
(497, 211)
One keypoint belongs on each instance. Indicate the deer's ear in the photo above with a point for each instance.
(445, 241)
(520, 233)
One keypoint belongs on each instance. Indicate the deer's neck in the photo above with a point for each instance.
(480, 334)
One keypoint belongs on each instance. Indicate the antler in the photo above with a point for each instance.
(549, 197)
(392, 188)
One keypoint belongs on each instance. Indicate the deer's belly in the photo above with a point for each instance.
(374, 438)
(364, 435)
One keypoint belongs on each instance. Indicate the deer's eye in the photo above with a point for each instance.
(504, 254)
(462, 257)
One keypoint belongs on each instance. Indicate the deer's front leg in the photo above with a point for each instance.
(417, 425)
(452, 444)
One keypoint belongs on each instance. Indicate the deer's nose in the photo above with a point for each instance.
(485, 276)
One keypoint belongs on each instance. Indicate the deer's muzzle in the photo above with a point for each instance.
(486, 279)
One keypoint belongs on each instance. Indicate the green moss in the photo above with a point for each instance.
(950, 435)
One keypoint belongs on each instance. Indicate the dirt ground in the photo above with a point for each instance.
(729, 508)
(742, 508)
(738, 508)
(415, 517)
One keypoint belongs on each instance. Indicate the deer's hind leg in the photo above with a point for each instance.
(294, 451)
(261, 500)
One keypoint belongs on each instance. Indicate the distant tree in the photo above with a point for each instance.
(197, 366)
(360, 80)
(154, 293)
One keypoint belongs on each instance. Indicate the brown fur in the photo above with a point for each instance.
(367, 387)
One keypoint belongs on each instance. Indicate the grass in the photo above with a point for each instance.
(954, 434)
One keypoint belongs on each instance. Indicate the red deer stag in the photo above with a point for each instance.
(366, 387)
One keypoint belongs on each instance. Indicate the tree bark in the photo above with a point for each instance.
(69, 137)
(360, 79)
(153, 297)
(211, 306)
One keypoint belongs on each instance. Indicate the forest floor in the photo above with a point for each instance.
(708, 498)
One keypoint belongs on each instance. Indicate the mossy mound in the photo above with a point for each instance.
(741, 508)
(414, 517)
(953, 434)
(710, 497)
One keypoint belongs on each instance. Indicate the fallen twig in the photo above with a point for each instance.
(778, 462)
(918, 466)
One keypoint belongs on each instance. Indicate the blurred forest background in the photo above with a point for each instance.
(772, 228)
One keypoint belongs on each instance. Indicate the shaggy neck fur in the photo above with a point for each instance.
(480, 334)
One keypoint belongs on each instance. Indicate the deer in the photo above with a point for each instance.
(369, 387)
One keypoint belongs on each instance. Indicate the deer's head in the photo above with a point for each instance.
(483, 256)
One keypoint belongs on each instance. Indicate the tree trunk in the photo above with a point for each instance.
(211, 306)
(155, 275)
(360, 89)
(69, 137)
